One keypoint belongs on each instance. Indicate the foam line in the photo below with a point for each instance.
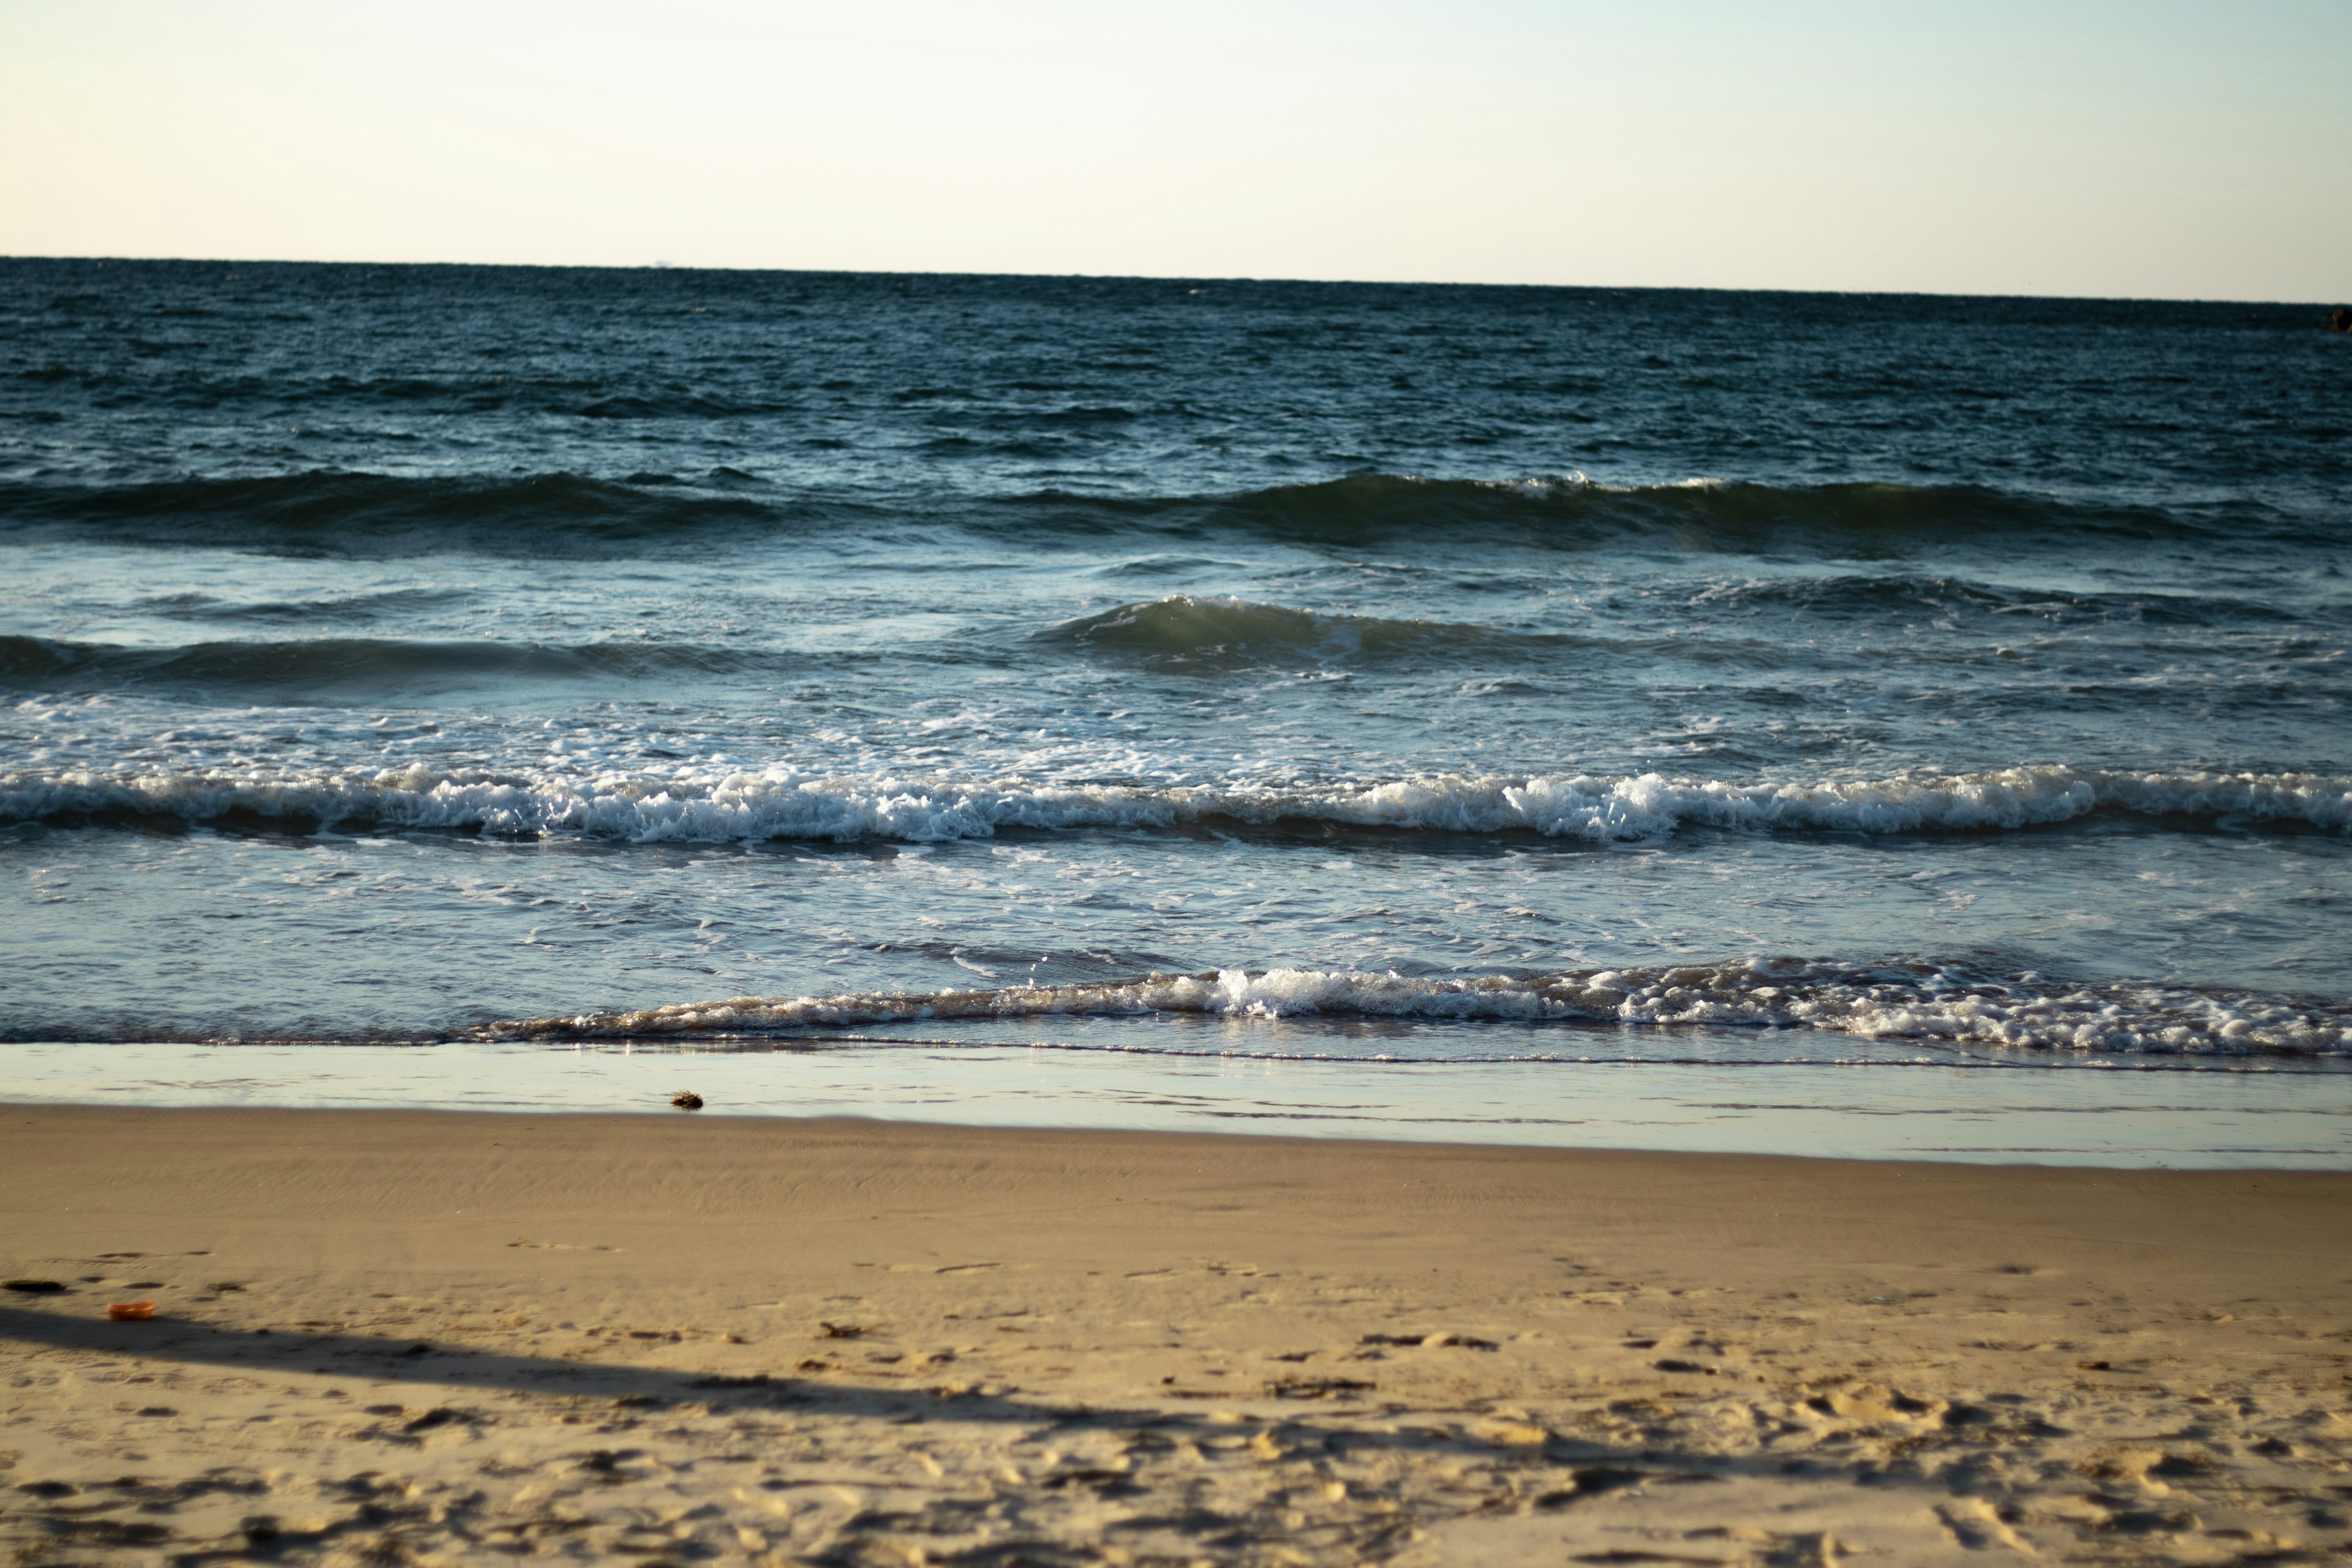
(685, 806)
(1922, 1001)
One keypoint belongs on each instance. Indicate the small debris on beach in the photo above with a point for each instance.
(1443, 1340)
(687, 1100)
(839, 1330)
(1316, 1387)
(130, 1311)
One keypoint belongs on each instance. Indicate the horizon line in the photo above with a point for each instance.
(1161, 277)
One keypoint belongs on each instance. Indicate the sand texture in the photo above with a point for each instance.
(396, 1337)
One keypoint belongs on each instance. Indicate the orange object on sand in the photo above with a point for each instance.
(131, 1311)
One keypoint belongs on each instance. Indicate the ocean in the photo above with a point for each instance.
(1815, 723)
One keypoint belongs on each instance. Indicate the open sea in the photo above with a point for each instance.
(1842, 724)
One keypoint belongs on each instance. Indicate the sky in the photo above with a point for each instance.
(2075, 147)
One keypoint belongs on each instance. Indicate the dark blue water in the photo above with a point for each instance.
(1449, 673)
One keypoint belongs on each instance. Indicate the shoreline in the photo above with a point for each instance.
(749, 1339)
(2059, 1115)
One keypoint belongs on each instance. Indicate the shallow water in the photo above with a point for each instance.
(434, 653)
(1711, 1095)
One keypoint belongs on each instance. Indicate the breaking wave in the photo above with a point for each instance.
(685, 805)
(1915, 1002)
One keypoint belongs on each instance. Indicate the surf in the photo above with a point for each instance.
(687, 803)
(1934, 1004)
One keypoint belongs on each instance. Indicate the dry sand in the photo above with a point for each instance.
(387, 1337)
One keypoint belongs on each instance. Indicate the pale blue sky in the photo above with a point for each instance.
(2060, 147)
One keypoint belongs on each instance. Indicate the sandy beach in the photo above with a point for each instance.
(399, 1336)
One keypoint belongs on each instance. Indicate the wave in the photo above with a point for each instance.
(1202, 634)
(351, 609)
(690, 807)
(1870, 596)
(327, 512)
(347, 668)
(1182, 634)
(1572, 511)
(1911, 1002)
(1183, 631)
(335, 513)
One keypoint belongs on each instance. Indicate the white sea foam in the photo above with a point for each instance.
(1912, 1002)
(778, 802)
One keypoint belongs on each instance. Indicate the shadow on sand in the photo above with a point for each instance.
(1527, 1470)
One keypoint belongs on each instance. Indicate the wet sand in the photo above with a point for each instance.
(396, 1336)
